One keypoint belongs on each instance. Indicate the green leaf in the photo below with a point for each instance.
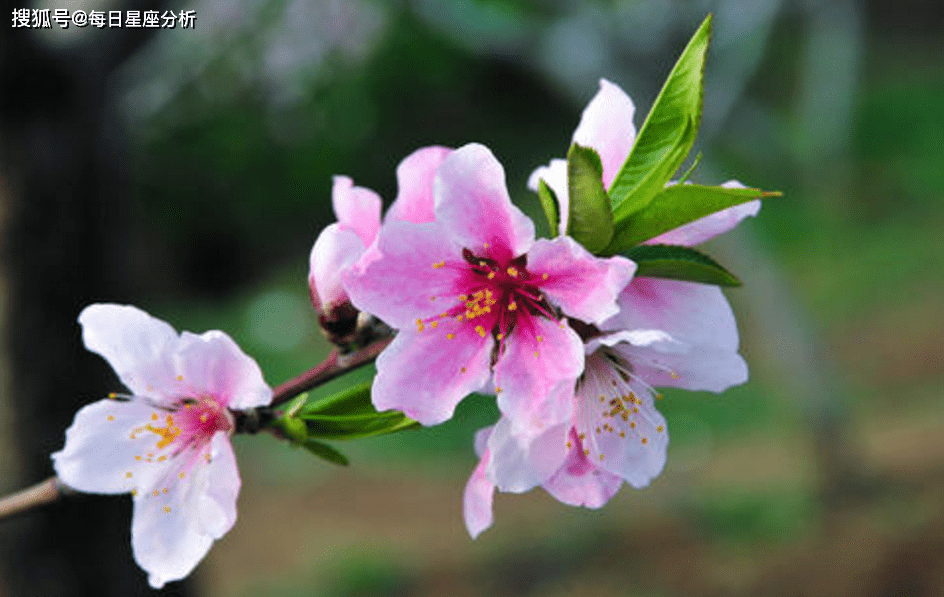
(590, 217)
(679, 263)
(356, 426)
(550, 205)
(677, 205)
(353, 401)
(668, 133)
(323, 450)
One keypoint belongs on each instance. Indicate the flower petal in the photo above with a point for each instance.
(479, 494)
(357, 208)
(213, 364)
(536, 374)
(621, 430)
(584, 286)
(517, 463)
(425, 374)
(414, 262)
(217, 504)
(554, 175)
(607, 126)
(129, 339)
(334, 251)
(689, 312)
(167, 534)
(702, 368)
(415, 176)
(104, 454)
(473, 205)
(579, 482)
(710, 226)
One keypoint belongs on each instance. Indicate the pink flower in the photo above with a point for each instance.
(667, 334)
(167, 443)
(616, 434)
(358, 212)
(475, 298)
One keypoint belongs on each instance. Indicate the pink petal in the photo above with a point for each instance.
(357, 208)
(425, 374)
(213, 364)
(477, 499)
(334, 251)
(517, 463)
(689, 312)
(699, 367)
(537, 377)
(579, 482)
(413, 263)
(584, 286)
(128, 338)
(634, 447)
(710, 226)
(473, 205)
(554, 175)
(415, 176)
(101, 446)
(607, 126)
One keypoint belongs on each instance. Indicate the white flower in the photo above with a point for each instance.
(167, 443)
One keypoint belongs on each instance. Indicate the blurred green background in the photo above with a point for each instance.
(824, 475)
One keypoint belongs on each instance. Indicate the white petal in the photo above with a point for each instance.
(698, 367)
(217, 505)
(517, 464)
(687, 311)
(107, 451)
(168, 535)
(213, 364)
(627, 438)
(129, 339)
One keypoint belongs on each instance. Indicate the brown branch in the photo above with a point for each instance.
(334, 366)
(40, 494)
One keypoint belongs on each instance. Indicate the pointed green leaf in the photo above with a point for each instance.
(353, 401)
(323, 450)
(677, 205)
(679, 263)
(590, 217)
(356, 426)
(668, 133)
(550, 205)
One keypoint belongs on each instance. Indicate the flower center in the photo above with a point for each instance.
(191, 424)
(492, 295)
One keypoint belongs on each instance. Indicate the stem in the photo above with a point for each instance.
(40, 494)
(334, 366)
